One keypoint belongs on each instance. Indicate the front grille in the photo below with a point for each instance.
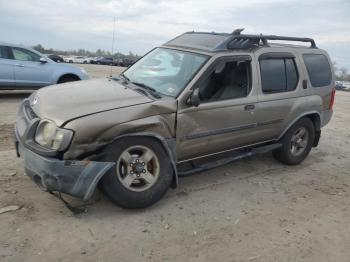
(29, 111)
(25, 118)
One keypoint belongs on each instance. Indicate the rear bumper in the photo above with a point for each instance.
(326, 117)
(76, 178)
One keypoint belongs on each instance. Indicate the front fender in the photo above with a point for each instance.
(58, 73)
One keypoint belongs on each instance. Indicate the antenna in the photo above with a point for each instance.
(110, 74)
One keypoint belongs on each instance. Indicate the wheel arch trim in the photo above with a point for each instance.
(305, 114)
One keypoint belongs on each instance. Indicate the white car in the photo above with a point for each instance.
(76, 59)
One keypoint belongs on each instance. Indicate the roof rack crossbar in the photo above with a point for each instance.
(264, 38)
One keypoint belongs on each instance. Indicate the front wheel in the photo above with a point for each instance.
(142, 172)
(296, 143)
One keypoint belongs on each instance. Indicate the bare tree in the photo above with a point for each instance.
(343, 73)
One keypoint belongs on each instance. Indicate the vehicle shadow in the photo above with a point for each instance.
(263, 165)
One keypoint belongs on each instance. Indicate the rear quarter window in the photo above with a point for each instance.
(319, 69)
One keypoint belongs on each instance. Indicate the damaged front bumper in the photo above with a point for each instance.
(76, 178)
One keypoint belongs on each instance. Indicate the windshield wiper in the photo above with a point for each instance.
(125, 77)
(151, 90)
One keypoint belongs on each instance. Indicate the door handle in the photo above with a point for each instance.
(19, 65)
(304, 84)
(249, 107)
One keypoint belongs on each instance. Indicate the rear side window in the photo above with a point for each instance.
(278, 75)
(3, 52)
(319, 70)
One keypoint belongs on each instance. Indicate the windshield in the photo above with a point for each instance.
(165, 70)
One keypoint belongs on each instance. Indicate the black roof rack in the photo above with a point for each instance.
(237, 38)
(223, 41)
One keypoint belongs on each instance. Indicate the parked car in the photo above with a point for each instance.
(56, 58)
(76, 59)
(212, 99)
(23, 67)
(126, 62)
(91, 60)
(104, 61)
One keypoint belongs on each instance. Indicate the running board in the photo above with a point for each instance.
(227, 160)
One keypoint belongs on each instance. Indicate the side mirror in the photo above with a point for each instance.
(194, 100)
(42, 60)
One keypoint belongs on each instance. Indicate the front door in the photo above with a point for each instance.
(29, 71)
(225, 118)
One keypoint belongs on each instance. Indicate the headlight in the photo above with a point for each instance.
(50, 136)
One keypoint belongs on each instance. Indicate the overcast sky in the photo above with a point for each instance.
(143, 24)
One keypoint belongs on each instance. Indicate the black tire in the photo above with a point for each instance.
(120, 194)
(66, 79)
(284, 154)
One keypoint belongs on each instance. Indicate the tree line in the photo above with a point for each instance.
(342, 73)
(83, 52)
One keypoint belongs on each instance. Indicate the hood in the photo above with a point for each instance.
(61, 103)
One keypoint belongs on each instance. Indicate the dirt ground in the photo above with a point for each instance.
(252, 210)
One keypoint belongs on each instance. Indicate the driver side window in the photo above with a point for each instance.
(227, 80)
(24, 55)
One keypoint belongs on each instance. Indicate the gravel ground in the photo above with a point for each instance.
(252, 210)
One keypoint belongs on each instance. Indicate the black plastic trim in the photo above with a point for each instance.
(272, 55)
(219, 131)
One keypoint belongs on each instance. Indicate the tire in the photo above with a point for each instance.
(66, 79)
(139, 194)
(295, 146)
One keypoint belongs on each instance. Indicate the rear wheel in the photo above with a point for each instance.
(296, 143)
(142, 173)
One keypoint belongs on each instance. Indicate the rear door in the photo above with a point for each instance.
(281, 96)
(7, 70)
(29, 71)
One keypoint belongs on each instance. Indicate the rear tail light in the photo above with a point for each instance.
(331, 103)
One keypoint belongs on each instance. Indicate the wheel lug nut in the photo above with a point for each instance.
(138, 175)
(137, 160)
(144, 171)
(143, 163)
